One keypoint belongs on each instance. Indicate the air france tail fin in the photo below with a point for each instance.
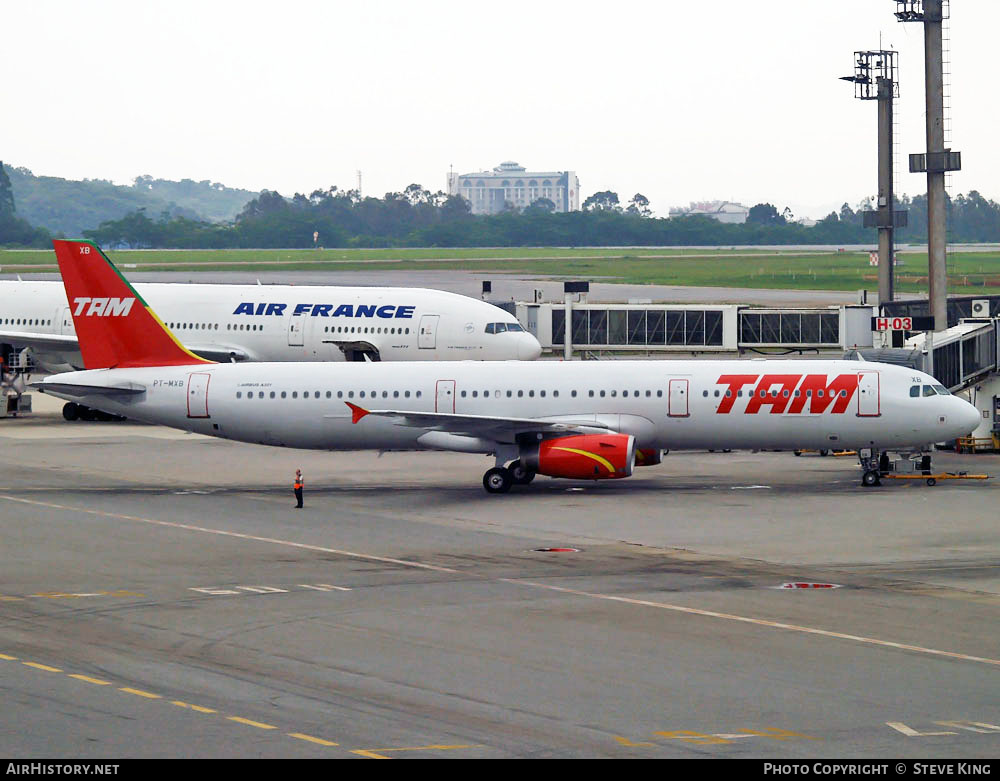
(114, 325)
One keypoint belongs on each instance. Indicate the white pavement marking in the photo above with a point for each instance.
(912, 733)
(755, 621)
(237, 535)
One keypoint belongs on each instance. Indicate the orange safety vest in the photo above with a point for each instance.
(299, 482)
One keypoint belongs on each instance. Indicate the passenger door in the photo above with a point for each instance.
(677, 401)
(66, 327)
(295, 335)
(869, 403)
(427, 338)
(197, 395)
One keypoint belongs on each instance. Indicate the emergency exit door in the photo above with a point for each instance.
(677, 401)
(427, 338)
(445, 401)
(197, 395)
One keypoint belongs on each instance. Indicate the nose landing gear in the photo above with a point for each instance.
(874, 466)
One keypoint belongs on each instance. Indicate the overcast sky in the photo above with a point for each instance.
(728, 99)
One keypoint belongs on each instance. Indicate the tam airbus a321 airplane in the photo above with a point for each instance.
(277, 322)
(581, 420)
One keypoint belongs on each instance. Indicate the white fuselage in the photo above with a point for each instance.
(664, 404)
(284, 322)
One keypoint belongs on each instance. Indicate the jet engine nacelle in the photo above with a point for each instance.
(584, 456)
(648, 456)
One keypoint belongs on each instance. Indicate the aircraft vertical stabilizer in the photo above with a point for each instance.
(114, 325)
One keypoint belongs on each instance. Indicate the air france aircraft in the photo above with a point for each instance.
(583, 420)
(277, 323)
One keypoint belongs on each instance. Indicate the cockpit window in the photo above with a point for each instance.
(929, 391)
(499, 328)
(941, 390)
(914, 391)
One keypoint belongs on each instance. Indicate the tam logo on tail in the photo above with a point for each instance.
(103, 307)
(111, 329)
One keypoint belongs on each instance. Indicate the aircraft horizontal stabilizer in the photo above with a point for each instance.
(39, 340)
(80, 390)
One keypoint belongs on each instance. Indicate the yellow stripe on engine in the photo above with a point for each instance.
(607, 464)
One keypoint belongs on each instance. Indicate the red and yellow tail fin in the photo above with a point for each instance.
(114, 326)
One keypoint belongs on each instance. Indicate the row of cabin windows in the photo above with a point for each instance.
(24, 321)
(555, 394)
(417, 394)
(214, 327)
(329, 394)
(774, 393)
(914, 391)
(343, 329)
(196, 327)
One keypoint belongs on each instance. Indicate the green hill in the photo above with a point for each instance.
(69, 207)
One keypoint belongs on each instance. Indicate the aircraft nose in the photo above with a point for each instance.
(528, 348)
(969, 416)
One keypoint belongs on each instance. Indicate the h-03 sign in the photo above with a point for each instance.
(902, 323)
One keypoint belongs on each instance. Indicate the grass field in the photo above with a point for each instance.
(968, 272)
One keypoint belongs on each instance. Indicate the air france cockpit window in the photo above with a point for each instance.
(499, 328)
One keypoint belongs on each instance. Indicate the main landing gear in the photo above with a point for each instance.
(73, 411)
(499, 479)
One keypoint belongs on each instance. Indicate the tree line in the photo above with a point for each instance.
(68, 207)
(417, 217)
(14, 231)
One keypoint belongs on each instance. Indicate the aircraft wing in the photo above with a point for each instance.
(81, 390)
(220, 353)
(499, 429)
(46, 341)
(369, 350)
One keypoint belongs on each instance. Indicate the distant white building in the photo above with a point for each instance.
(723, 211)
(490, 192)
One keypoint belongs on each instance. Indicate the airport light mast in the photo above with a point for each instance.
(937, 160)
(875, 79)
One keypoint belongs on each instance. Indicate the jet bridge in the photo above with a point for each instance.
(644, 328)
(966, 359)
(963, 355)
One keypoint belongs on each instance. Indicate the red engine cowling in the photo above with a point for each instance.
(586, 456)
(648, 456)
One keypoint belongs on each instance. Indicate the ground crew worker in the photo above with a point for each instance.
(299, 485)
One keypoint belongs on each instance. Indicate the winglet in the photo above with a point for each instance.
(114, 325)
(356, 412)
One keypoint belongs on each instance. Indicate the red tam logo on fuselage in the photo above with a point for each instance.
(788, 392)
